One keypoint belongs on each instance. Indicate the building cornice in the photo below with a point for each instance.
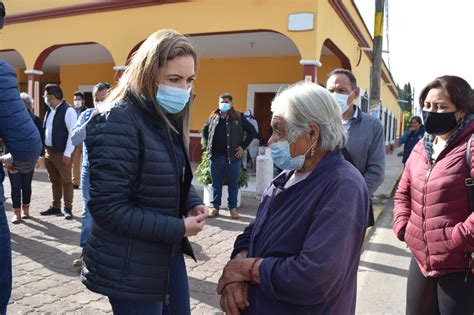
(352, 26)
(83, 8)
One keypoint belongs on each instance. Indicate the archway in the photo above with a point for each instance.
(331, 58)
(75, 67)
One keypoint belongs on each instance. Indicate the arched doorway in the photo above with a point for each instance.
(75, 67)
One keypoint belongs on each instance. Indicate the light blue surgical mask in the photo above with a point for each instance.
(172, 99)
(341, 100)
(282, 156)
(224, 107)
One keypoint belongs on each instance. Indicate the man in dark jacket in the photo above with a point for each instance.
(23, 141)
(365, 147)
(223, 135)
(58, 124)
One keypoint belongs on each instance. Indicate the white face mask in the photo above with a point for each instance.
(341, 100)
(77, 104)
(98, 104)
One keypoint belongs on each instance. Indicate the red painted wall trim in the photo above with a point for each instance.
(345, 62)
(83, 8)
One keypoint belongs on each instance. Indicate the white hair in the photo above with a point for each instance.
(304, 103)
(27, 100)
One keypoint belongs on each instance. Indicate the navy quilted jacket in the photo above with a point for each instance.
(135, 193)
(17, 129)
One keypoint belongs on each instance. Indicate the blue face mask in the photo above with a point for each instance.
(282, 157)
(341, 100)
(172, 99)
(224, 107)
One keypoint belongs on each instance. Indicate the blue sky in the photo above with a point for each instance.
(427, 39)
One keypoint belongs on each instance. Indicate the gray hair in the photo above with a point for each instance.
(305, 103)
(28, 100)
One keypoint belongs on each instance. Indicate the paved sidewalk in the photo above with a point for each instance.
(44, 280)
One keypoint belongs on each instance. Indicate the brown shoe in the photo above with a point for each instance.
(26, 211)
(213, 212)
(16, 216)
(78, 262)
(234, 214)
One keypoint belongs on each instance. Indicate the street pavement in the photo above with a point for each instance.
(45, 282)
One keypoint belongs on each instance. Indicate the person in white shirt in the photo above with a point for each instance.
(79, 107)
(58, 123)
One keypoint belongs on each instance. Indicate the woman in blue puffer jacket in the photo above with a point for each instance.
(142, 202)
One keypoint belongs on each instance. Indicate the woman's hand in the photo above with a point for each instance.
(193, 225)
(235, 298)
(197, 210)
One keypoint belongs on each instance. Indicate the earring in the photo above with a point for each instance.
(313, 151)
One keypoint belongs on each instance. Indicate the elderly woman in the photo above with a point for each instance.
(300, 254)
(21, 182)
(432, 213)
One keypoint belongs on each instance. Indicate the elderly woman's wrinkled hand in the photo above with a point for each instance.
(235, 298)
(233, 272)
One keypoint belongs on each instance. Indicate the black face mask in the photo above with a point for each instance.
(439, 123)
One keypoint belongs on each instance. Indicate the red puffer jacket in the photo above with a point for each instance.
(431, 208)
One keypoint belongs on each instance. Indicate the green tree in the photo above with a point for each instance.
(405, 96)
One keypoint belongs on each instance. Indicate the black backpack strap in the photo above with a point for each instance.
(469, 182)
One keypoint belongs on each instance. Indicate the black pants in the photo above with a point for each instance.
(447, 294)
(21, 188)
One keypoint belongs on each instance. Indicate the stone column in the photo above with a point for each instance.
(310, 70)
(34, 87)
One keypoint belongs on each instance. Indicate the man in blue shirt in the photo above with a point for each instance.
(22, 139)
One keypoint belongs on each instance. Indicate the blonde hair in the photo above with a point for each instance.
(139, 79)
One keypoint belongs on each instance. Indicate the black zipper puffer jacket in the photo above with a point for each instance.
(138, 195)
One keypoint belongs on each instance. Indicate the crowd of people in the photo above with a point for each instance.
(140, 207)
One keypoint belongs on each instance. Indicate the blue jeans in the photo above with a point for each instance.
(86, 217)
(5, 262)
(221, 169)
(178, 291)
(21, 188)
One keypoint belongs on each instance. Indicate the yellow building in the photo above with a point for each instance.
(248, 48)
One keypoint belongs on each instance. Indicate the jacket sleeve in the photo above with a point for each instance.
(329, 255)
(251, 133)
(78, 133)
(113, 142)
(193, 199)
(402, 204)
(17, 129)
(375, 171)
(205, 131)
(39, 125)
(463, 234)
(242, 241)
(404, 138)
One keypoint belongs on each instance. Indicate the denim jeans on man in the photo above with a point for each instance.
(220, 170)
(21, 188)
(86, 217)
(5, 262)
(178, 292)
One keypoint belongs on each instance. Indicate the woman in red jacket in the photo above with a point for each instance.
(431, 210)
